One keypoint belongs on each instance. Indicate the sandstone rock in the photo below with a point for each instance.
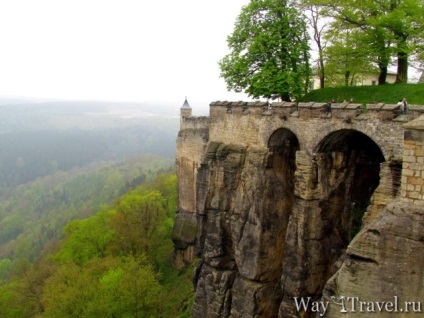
(277, 200)
(383, 262)
(185, 228)
(213, 293)
(253, 299)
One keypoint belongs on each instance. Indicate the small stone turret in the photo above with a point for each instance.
(185, 111)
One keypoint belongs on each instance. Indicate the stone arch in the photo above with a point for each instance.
(343, 139)
(348, 163)
(283, 144)
(349, 168)
(378, 139)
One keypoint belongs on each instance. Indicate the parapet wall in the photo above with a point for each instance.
(252, 123)
(309, 109)
(195, 122)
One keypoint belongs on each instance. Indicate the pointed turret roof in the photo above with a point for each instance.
(186, 105)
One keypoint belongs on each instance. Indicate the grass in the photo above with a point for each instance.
(388, 94)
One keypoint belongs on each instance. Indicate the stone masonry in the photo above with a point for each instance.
(413, 161)
(277, 200)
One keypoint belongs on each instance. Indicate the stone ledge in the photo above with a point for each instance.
(390, 107)
(374, 106)
(416, 124)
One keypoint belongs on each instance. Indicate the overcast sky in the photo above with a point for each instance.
(121, 50)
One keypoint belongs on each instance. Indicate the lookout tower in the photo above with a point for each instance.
(185, 110)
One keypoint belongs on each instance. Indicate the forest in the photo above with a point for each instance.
(115, 263)
(87, 201)
(38, 139)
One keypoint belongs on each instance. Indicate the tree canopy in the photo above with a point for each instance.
(390, 29)
(269, 52)
(116, 263)
(269, 49)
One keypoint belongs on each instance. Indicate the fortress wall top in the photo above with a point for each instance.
(252, 123)
(381, 122)
(311, 109)
(195, 122)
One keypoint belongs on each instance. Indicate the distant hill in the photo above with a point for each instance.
(37, 139)
(23, 115)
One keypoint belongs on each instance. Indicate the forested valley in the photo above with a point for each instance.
(87, 201)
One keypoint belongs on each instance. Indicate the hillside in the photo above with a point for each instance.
(38, 139)
(73, 176)
(116, 263)
(389, 94)
(32, 216)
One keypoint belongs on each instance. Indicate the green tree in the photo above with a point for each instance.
(346, 58)
(22, 296)
(86, 239)
(88, 276)
(70, 290)
(104, 287)
(137, 221)
(269, 52)
(318, 36)
(392, 28)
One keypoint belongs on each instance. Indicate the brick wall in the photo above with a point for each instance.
(412, 187)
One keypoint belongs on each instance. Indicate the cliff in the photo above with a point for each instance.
(284, 202)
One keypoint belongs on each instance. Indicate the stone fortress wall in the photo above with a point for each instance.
(267, 193)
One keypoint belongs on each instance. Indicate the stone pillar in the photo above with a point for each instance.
(302, 254)
(412, 186)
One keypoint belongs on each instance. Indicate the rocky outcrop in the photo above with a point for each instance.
(383, 265)
(262, 245)
(296, 210)
(242, 225)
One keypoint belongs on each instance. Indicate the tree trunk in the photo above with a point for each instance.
(321, 66)
(321, 79)
(402, 67)
(383, 74)
(402, 59)
(347, 75)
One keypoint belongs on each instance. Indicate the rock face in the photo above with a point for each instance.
(242, 231)
(273, 218)
(382, 264)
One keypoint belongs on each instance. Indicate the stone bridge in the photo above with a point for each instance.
(271, 196)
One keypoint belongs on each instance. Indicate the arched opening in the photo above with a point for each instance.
(348, 164)
(283, 145)
(278, 194)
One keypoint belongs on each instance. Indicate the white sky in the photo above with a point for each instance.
(121, 50)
